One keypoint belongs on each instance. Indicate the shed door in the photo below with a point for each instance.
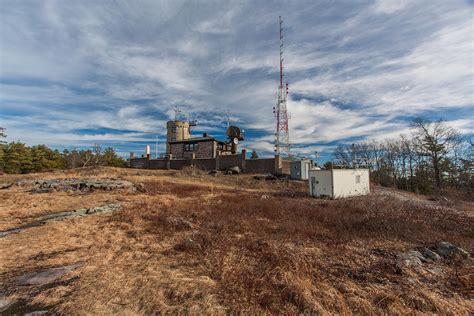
(313, 186)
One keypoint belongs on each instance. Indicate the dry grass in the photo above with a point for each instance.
(202, 244)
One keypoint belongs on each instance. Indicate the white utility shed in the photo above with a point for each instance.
(339, 183)
(300, 169)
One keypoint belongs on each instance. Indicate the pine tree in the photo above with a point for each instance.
(17, 158)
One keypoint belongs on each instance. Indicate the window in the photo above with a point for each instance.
(358, 179)
(190, 147)
(173, 129)
(173, 139)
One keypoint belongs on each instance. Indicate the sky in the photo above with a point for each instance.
(75, 73)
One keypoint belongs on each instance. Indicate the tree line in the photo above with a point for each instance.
(17, 157)
(433, 157)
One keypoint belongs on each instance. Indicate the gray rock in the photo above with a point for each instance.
(448, 250)
(5, 303)
(233, 170)
(46, 276)
(43, 186)
(63, 215)
(411, 258)
(36, 313)
(9, 232)
(427, 253)
(4, 186)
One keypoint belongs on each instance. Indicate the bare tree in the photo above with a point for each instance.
(433, 155)
(86, 156)
(97, 157)
(409, 156)
(436, 141)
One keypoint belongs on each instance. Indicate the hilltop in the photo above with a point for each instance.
(113, 240)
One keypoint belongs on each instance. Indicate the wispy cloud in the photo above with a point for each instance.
(83, 72)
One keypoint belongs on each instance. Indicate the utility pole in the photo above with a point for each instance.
(282, 136)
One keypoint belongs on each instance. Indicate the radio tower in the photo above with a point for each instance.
(282, 136)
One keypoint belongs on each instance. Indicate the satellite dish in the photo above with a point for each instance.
(234, 132)
(236, 141)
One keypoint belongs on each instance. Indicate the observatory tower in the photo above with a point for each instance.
(178, 130)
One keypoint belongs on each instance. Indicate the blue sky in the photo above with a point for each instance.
(75, 73)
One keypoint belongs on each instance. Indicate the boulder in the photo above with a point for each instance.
(430, 254)
(233, 170)
(448, 250)
(411, 258)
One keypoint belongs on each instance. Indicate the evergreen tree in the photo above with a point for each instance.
(17, 158)
(254, 154)
(3, 134)
(45, 158)
(111, 159)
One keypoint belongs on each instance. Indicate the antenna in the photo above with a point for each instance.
(282, 136)
(227, 119)
(176, 111)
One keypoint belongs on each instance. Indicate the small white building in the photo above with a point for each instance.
(300, 169)
(339, 183)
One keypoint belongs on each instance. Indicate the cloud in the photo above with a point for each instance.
(82, 72)
(389, 6)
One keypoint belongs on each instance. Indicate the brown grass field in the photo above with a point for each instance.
(189, 242)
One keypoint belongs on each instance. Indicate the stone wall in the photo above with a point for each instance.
(139, 163)
(228, 161)
(260, 165)
(157, 164)
(274, 165)
(179, 163)
(205, 164)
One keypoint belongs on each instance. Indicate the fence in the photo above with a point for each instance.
(273, 165)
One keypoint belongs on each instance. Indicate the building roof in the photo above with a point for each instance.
(193, 140)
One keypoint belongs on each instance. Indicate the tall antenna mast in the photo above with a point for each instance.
(228, 118)
(282, 136)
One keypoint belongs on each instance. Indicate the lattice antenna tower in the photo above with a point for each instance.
(282, 135)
